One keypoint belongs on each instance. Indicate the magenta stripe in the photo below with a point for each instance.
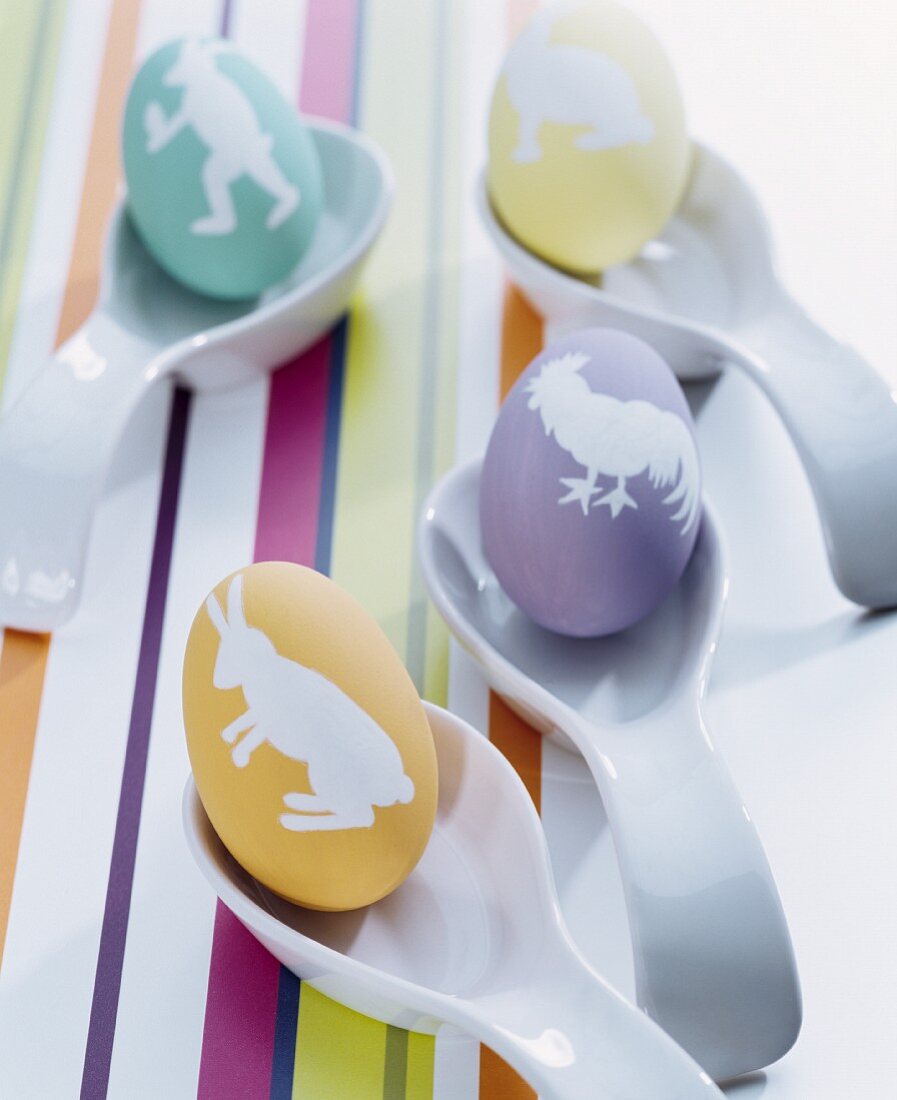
(241, 1005)
(290, 492)
(240, 1010)
(329, 61)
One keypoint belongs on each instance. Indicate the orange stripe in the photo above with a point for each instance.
(101, 175)
(21, 678)
(521, 340)
(522, 334)
(24, 658)
(520, 743)
(498, 1081)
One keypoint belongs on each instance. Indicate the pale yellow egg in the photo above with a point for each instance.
(588, 150)
(310, 748)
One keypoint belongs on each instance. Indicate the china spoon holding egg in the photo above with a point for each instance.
(714, 964)
(705, 293)
(57, 440)
(473, 938)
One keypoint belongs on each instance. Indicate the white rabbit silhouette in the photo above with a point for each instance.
(353, 765)
(224, 120)
(573, 86)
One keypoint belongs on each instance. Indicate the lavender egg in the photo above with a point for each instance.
(590, 496)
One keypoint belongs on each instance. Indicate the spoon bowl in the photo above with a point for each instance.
(473, 938)
(57, 440)
(704, 294)
(714, 964)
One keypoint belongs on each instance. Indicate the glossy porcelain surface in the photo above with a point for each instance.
(713, 958)
(57, 440)
(705, 293)
(474, 938)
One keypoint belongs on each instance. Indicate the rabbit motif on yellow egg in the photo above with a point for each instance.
(545, 84)
(353, 765)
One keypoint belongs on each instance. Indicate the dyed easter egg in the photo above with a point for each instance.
(224, 180)
(588, 152)
(591, 485)
(310, 749)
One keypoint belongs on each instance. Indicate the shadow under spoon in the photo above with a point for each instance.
(714, 964)
(705, 293)
(57, 440)
(473, 938)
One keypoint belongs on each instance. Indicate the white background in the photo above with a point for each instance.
(801, 96)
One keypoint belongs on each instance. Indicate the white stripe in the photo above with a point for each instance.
(456, 1066)
(480, 306)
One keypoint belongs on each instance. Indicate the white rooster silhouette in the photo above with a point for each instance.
(353, 764)
(620, 439)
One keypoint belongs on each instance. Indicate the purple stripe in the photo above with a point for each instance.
(107, 984)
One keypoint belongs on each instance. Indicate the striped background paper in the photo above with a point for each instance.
(119, 975)
(326, 463)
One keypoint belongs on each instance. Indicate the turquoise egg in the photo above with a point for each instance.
(224, 180)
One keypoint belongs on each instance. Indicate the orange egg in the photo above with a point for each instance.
(310, 748)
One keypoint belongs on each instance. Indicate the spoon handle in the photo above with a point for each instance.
(572, 1037)
(56, 442)
(714, 964)
(842, 417)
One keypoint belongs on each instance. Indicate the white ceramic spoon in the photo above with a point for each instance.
(58, 438)
(706, 293)
(714, 964)
(474, 938)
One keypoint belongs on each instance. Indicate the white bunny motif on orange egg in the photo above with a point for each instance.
(353, 764)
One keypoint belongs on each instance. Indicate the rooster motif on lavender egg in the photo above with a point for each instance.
(617, 439)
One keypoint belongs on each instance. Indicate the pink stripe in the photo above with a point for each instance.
(327, 68)
(290, 493)
(240, 1011)
(241, 1003)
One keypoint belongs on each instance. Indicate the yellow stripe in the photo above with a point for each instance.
(339, 1054)
(17, 220)
(18, 26)
(421, 1056)
(373, 541)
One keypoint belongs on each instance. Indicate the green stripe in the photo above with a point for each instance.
(395, 1064)
(442, 444)
(18, 28)
(25, 155)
